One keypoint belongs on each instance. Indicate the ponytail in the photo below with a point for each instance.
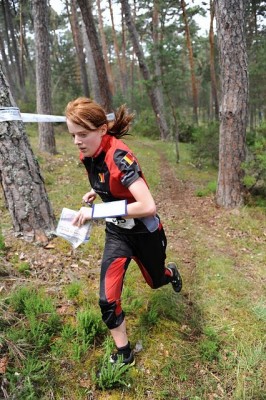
(121, 124)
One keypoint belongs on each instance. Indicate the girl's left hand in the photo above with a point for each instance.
(83, 216)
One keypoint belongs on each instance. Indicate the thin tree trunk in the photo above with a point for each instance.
(212, 65)
(73, 18)
(86, 11)
(191, 63)
(153, 90)
(91, 69)
(43, 74)
(156, 54)
(6, 68)
(104, 49)
(122, 79)
(124, 46)
(12, 46)
(20, 178)
(230, 16)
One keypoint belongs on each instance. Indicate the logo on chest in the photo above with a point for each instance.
(101, 177)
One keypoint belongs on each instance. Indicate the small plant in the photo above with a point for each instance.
(28, 381)
(149, 318)
(24, 268)
(42, 322)
(73, 290)
(89, 325)
(210, 189)
(209, 346)
(110, 375)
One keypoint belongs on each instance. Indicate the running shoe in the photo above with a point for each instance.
(176, 279)
(120, 358)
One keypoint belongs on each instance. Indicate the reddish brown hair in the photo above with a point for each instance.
(84, 112)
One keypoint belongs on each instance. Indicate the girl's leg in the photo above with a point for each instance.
(119, 335)
(150, 257)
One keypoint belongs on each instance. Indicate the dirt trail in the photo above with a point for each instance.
(213, 226)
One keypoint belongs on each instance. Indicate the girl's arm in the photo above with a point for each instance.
(144, 206)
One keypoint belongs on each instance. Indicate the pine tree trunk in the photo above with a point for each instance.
(230, 15)
(86, 11)
(13, 47)
(104, 49)
(122, 78)
(20, 178)
(153, 90)
(43, 74)
(77, 37)
(191, 63)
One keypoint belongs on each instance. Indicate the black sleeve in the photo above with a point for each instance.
(128, 165)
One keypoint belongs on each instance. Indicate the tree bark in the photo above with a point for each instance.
(86, 11)
(90, 66)
(191, 63)
(13, 47)
(234, 103)
(43, 74)
(77, 37)
(152, 88)
(104, 49)
(122, 78)
(20, 178)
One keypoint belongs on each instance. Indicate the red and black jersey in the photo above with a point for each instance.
(112, 170)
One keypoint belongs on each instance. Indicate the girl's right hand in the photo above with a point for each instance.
(89, 197)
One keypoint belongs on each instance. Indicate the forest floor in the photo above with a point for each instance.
(221, 254)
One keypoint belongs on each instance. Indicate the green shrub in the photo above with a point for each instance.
(209, 345)
(186, 132)
(29, 381)
(210, 189)
(255, 168)
(24, 268)
(73, 290)
(145, 125)
(205, 148)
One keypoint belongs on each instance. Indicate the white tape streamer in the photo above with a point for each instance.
(13, 114)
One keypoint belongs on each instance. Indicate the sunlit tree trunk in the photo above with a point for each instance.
(20, 178)
(77, 37)
(230, 18)
(191, 63)
(86, 11)
(43, 74)
(152, 88)
(212, 65)
(104, 49)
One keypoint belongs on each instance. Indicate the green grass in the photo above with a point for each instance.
(206, 343)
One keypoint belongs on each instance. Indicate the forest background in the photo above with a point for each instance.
(50, 326)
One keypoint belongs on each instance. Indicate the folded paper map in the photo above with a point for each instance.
(73, 234)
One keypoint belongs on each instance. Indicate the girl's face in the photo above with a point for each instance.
(88, 141)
